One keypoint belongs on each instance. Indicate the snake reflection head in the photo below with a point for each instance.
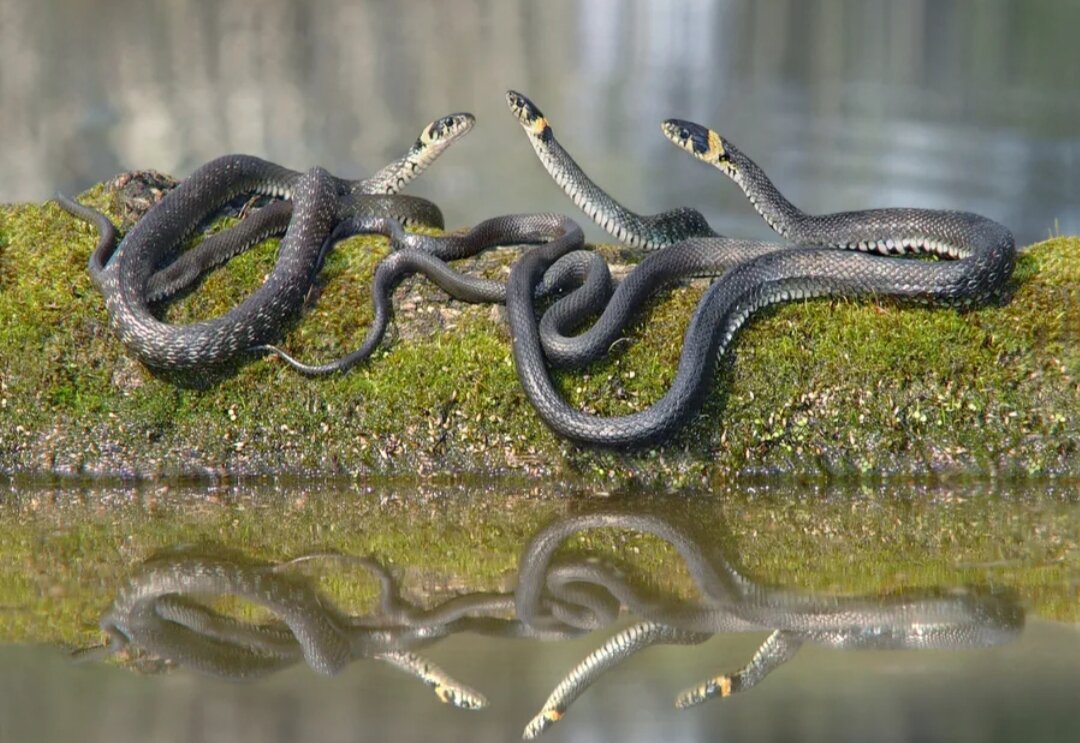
(701, 142)
(531, 118)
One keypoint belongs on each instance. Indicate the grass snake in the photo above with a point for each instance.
(830, 257)
(841, 254)
(156, 612)
(130, 275)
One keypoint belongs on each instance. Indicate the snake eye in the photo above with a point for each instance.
(448, 122)
(684, 133)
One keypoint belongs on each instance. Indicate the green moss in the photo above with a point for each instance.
(826, 389)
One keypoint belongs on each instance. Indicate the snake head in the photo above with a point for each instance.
(448, 128)
(460, 696)
(704, 144)
(528, 114)
(544, 720)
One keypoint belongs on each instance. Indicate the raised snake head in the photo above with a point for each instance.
(531, 118)
(447, 129)
(704, 144)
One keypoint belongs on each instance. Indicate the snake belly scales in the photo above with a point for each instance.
(840, 254)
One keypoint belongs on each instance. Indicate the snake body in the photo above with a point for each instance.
(273, 220)
(828, 260)
(320, 201)
(584, 271)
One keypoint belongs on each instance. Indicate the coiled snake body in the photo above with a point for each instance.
(582, 270)
(128, 275)
(827, 260)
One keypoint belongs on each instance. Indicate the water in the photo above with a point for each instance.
(1024, 691)
(964, 600)
(846, 105)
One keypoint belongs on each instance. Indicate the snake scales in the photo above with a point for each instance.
(731, 602)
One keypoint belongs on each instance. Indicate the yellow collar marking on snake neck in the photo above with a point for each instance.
(716, 147)
(538, 125)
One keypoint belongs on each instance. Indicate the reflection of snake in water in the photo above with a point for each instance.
(153, 612)
(130, 276)
(556, 598)
(828, 260)
(733, 603)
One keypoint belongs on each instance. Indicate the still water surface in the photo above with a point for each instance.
(932, 103)
(892, 613)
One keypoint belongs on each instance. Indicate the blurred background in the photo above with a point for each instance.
(934, 103)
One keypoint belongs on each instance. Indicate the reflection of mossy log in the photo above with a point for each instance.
(62, 557)
(812, 389)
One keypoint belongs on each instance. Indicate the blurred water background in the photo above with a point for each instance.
(933, 103)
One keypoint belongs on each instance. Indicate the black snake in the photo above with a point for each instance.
(130, 278)
(826, 261)
(583, 271)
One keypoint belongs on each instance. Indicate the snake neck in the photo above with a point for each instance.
(891, 231)
(648, 232)
(395, 176)
(432, 142)
(786, 219)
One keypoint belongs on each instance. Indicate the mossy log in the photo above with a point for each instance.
(820, 389)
